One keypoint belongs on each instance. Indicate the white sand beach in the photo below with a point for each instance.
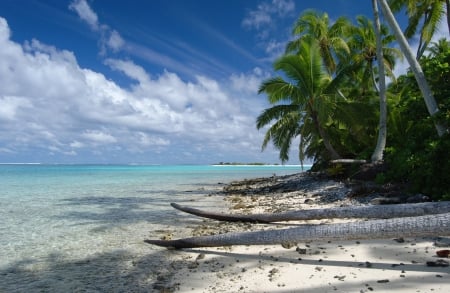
(384, 265)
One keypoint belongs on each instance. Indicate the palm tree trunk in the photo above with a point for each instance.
(366, 212)
(436, 225)
(415, 66)
(447, 2)
(382, 131)
(323, 135)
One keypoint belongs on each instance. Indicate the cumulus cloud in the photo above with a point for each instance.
(51, 105)
(248, 83)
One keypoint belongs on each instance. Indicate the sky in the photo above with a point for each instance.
(146, 82)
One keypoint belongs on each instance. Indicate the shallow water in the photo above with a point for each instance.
(81, 227)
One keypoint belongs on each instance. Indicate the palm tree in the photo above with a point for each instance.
(367, 77)
(440, 46)
(414, 65)
(307, 101)
(332, 44)
(425, 13)
(363, 45)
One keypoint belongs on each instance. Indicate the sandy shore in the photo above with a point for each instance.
(398, 265)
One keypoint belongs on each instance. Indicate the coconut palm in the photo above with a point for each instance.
(304, 104)
(363, 45)
(425, 16)
(440, 46)
(330, 37)
(414, 65)
(367, 77)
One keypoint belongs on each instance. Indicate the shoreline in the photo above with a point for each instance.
(333, 266)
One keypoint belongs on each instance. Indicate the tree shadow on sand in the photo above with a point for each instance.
(108, 212)
(213, 270)
(118, 271)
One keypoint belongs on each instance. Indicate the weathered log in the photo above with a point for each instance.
(430, 225)
(348, 161)
(372, 211)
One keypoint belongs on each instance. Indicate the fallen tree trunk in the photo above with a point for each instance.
(434, 225)
(374, 211)
(348, 161)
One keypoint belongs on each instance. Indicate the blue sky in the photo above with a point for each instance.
(160, 82)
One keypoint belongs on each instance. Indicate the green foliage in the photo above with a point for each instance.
(416, 154)
(326, 95)
(335, 170)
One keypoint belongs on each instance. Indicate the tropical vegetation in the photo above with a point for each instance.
(329, 94)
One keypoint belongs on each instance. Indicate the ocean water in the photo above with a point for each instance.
(63, 226)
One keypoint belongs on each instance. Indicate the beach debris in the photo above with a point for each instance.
(301, 250)
(273, 273)
(438, 263)
(340, 278)
(399, 240)
(443, 253)
(288, 245)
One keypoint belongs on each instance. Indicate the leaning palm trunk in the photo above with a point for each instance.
(415, 66)
(435, 225)
(367, 212)
(382, 131)
(447, 4)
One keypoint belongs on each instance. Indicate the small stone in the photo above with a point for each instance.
(300, 250)
(200, 256)
(399, 240)
(288, 245)
(340, 278)
(443, 253)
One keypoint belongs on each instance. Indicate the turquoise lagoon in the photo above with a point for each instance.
(61, 225)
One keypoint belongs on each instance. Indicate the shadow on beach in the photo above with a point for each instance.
(117, 271)
(101, 246)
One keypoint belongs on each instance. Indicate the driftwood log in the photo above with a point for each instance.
(417, 224)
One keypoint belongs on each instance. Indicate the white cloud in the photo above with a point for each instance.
(248, 83)
(84, 11)
(50, 105)
(11, 106)
(109, 38)
(115, 41)
(264, 13)
(98, 136)
(129, 68)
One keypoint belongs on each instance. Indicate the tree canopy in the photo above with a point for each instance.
(326, 94)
